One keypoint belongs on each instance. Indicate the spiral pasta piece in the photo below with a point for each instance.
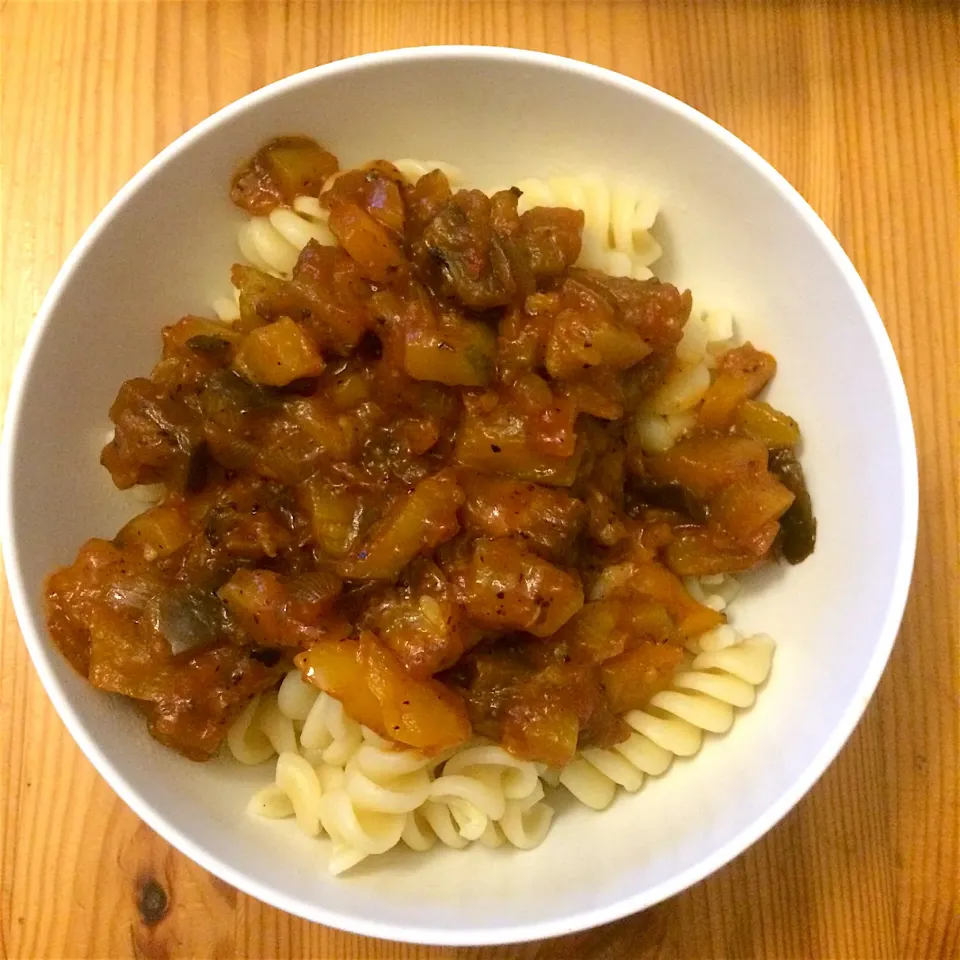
(453, 821)
(672, 410)
(413, 170)
(702, 697)
(331, 778)
(277, 727)
(549, 775)
(245, 740)
(298, 780)
(298, 229)
(228, 308)
(720, 329)
(343, 857)
(492, 837)
(416, 833)
(296, 697)
(295, 792)
(266, 248)
(438, 818)
(271, 802)
(493, 765)
(387, 781)
(525, 822)
(367, 831)
(273, 243)
(472, 823)
(328, 729)
(715, 592)
(483, 796)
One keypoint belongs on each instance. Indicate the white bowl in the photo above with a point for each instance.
(734, 231)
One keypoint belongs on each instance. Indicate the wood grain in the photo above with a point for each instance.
(858, 104)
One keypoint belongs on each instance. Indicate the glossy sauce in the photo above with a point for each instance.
(410, 469)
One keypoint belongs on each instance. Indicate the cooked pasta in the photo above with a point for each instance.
(340, 778)
(671, 412)
(227, 309)
(329, 734)
(716, 591)
(277, 726)
(413, 170)
(525, 821)
(274, 242)
(247, 742)
(722, 677)
(720, 330)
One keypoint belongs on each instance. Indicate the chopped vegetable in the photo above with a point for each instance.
(510, 587)
(335, 514)
(424, 626)
(775, 430)
(277, 354)
(798, 526)
(498, 507)
(698, 552)
(337, 667)
(276, 614)
(368, 242)
(414, 522)
(656, 583)
(460, 353)
(158, 532)
(496, 437)
(703, 464)
(451, 475)
(741, 508)
(376, 691)
(741, 374)
(280, 171)
(632, 678)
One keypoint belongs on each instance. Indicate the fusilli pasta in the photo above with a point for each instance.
(274, 242)
(340, 778)
(413, 170)
(671, 412)
(702, 697)
(228, 308)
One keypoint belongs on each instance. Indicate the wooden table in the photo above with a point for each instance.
(858, 104)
